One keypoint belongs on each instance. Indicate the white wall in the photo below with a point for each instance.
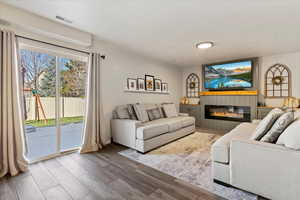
(292, 60)
(120, 65)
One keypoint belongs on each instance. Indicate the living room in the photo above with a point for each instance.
(149, 100)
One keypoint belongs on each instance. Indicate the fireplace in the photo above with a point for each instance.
(227, 112)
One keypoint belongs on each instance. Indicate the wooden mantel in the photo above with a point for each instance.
(230, 93)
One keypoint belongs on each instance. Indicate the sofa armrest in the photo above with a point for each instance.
(183, 114)
(265, 169)
(124, 131)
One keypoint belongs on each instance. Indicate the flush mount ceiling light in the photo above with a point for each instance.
(204, 45)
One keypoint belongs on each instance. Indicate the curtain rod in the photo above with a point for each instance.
(85, 52)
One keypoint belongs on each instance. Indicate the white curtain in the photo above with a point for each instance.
(12, 160)
(94, 112)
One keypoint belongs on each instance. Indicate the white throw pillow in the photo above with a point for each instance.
(170, 110)
(265, 125)
(278, 127)
(291, 136)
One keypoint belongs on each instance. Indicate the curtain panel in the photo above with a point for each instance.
(12, 159)
(94, 112)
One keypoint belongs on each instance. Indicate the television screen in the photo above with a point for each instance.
(228, 75)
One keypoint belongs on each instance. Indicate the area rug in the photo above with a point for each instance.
(188, 159)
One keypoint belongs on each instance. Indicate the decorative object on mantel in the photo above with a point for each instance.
(192, 86)
(291, 102)
(149, 82)
(278, 81)
(131, 84)
(157, 85)
(164, 87)
(184, 100)
(141, 84)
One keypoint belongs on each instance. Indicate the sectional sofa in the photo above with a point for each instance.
(267, 169)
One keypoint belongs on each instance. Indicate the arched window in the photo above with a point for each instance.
(192, 86)
(278, 81)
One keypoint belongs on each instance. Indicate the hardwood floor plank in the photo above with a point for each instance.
(6, 192)
(69, 182)
(26, 188)
(159, 194)
(126, 191)
(42, 176)
(56, 193)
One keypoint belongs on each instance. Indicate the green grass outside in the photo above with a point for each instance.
(52, 122)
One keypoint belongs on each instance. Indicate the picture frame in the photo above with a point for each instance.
(157, 85)
(149, 82)
(141, 84)
(164, 87)
(131, 84)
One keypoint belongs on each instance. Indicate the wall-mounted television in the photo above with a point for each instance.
(228, 76)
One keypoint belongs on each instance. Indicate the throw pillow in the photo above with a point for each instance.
(279, 126)
(170, 110)
(290, 137)
(141, 112)
(122, 112)
(131, 112)
(154, 114)
(265, 124)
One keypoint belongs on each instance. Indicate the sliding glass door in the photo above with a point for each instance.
(54, 102)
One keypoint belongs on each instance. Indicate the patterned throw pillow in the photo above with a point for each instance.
(131, 112)
(154, 114)
(141, 112)
(265, 125)
(122, 112)
(280, 125)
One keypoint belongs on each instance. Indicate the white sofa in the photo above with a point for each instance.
(145, 136)
(266, 169)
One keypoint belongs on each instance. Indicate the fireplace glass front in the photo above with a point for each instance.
(228, 112)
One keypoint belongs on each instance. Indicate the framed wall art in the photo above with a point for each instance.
(164, 87)
(157, 83)
(141, 84)
(149, 82)
(131, 84)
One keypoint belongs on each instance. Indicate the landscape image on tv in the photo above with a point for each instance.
(229, 75)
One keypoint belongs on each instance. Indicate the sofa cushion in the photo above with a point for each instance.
(265, 125)
(174, 123)
(221, 148)
(279, 126)
(290, 138)
(152, 129)
(187, 121)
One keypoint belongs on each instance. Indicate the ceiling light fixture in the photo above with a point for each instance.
(204, 45)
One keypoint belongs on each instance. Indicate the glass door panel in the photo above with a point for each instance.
(40, 107)
(73, 75)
